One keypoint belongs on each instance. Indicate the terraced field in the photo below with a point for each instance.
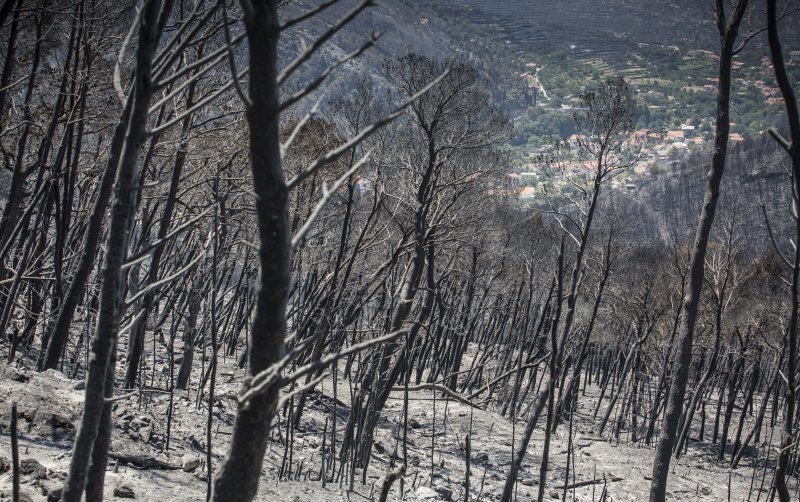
(630, 36)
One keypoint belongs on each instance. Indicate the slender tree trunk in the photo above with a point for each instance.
(792, 147)
(91, 242)
(108, 317)
(543, 397)
(728, 30)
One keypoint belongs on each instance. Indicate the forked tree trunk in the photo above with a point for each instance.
(237, 478)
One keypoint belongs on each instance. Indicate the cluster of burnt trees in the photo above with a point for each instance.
(176, 196)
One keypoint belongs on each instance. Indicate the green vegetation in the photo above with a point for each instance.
(675, 87)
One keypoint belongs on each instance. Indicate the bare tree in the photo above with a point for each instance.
(606, 149)
(728, 27)
(792, 148)
(100, 379)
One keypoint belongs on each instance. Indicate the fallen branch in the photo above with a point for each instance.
(391, 477)
(506, 375)
(441, 388)
(143, 461)
(593, 482)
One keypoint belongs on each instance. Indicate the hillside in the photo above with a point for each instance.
(505, 251)
(665, 49)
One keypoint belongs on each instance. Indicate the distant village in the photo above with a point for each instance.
(662, 151)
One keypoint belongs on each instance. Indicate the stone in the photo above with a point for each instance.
(425, 493)
(31, 467)
(19, 377)
(482, 457)
(705, 490)
(528, 482)
(59, 423)
(57, 375)
(413, 423)
(23, 496)
(554, 494)
(51, 489)
(444, 492)
(189, 463)
(80, 385)
(124, 492)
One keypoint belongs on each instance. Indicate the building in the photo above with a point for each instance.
(674, 136)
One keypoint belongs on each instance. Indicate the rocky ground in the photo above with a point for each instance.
(49, 407)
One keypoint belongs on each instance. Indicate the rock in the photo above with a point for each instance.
(23, 496)
(59, 425)
(124, 425)
(19, 377)
(528, 482)
(705, 490)
(80, 385)
(425, 493)
(31, 467)
(140, 423)
(134, 435)
(5, 465)
(378, 447)
(124, 492)
(50, 489)
(57, 375)
(482, 457)
(413, 423)
(189, 463)
(444, 492)
(554, 494)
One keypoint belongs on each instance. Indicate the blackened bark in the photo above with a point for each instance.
(728, 31)
(237, 478)
(543, 396)
(108, 317)
(792, 147)
(136, 346)
(91, 242)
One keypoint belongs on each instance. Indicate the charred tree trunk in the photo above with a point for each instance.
(237, 478)
(728, 31)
